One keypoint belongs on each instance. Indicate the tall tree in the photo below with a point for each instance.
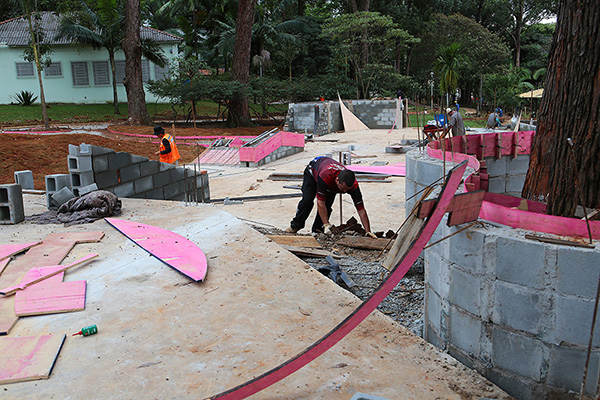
(446, 67)
(239, 111)
(570, 108)
(132, 47)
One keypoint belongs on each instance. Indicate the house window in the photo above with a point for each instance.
(119, 71)
(160, 72)
(101, 73)
(80, 73)
(53, 70)
(25, 70)
(145, 70)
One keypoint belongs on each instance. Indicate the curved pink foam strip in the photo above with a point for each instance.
(379, 169)
(169, 247)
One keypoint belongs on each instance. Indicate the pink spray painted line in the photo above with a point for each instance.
(353, 320)
(169, 247)
(379, 169)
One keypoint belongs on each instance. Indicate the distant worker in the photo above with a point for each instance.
(324, 178)
(493, 120)
(400, 94)
(456, 123)
(168, 149)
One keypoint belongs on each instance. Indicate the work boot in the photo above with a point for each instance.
(291, 230)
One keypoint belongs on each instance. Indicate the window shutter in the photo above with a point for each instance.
(119, 71)
(101, 73)
(145, 70)
(161, 73)
(80, 74)
(25, 69)
(52, 70)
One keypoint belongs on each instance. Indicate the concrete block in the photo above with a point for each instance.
(57, 181)
(433, 337)
(575, 274)
(179, 197)
(519, 308)
(518, 354)
(574, 320)
(130, 173)
(143, 184)
(100, 163)
(496, 167)
(25, 179)
(174, 189)
(62, 196)
(156, 194)
(364, 396)
(497, 184)
(124, 189)
(437, 274)
(467, 249)
(118, 160)
(11, 204)
(149, 168)
(566, 369)
(518, 165)
(428, 172)
(79, 179)
(107, 179)
(165, 166)
(79, 163)
(464, 331)
(135, 159)
(50, 203)
(520, 261)
(515, 183)
(433, 309)
(90, 149)
(73, 150)
(87, 189)
(162, 179)
(519, 388)
(179, 174)
(465, 291)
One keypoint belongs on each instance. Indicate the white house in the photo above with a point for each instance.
(77, 74)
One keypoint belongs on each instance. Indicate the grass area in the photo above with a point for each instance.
(422, 119)
(75, 113)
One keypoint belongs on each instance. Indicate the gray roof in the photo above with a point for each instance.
(15, 32)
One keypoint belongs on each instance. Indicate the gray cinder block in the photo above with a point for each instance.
(11, 204)
(118, 160)
(135, 159)
(518, 354)
(143, 184)
(90, 149)
(162, 179)
(130, 173)
(24, 178)
(57, 181)
(79, 163)
(149, 168)
(124, 189)
(106, 179)
(62, 196)
(79, 179)
(100, 163)
(87, 189)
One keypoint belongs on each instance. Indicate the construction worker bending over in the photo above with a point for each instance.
(324, 178)
(168, 149)
(456, 123)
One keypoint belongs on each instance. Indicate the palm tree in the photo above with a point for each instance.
(446, 66)
(101, 26)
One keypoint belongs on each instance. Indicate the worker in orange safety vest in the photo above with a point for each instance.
(168, 149)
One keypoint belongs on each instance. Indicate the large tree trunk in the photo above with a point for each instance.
(111, 61)
(519, 13)
(239, 112)
(570, 108)
(38, 65)
(132, 47)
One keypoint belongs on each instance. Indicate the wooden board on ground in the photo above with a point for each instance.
(50, 299)
(8, 250)
(308, 252)
(28, 358)
(295, 240)
(52, 251)
(360, 242)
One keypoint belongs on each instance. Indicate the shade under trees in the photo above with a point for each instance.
(563, 175)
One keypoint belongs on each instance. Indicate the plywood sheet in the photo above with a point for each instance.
(51, 298)
(364, 242)
(7, 250)
(351, 121)
(52, 251)
(169, 247)
(28, 358)
(295, 240)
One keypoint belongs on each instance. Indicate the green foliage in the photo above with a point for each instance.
(25, 98)
(502, 89)
(446, 66)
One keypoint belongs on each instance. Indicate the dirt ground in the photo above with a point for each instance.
(46, 154)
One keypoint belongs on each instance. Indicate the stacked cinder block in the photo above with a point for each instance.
(24, 178)
(127, 175)
(11, 204)
(56, 184)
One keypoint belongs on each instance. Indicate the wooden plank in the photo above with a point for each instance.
(295, 240)
(458, 202)
(51, 299)
(169, 247)
(361, 242)
(308, 252)
(367, 307)
(52, 251)
(28, 358)
(9, 250)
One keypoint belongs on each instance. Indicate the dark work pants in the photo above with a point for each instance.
(305, 206)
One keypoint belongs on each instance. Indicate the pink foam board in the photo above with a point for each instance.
(379, 169)
(28, 358)
(169, 247)
(7, 250)
(50, 298)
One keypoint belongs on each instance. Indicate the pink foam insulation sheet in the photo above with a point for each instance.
(28, 358)
(169, 247)
(398, 169)
(7, 250)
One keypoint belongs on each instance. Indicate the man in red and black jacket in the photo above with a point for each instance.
(324, 178)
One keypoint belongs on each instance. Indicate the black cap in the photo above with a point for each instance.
(158, 130)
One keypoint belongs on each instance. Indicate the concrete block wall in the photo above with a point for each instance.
(376, 114)
(128, 175)
(518, 311)
(11, 204)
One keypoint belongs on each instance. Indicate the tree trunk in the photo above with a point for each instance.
(38, 66)
(518, 30)
(570, 108)
(301, 7)
(111, 61)
(132, 47)
(239, 112)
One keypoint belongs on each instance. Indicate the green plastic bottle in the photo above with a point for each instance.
(87, 331)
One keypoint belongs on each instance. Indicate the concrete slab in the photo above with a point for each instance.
(163, 336)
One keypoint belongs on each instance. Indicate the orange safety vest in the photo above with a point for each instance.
(173, 155)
